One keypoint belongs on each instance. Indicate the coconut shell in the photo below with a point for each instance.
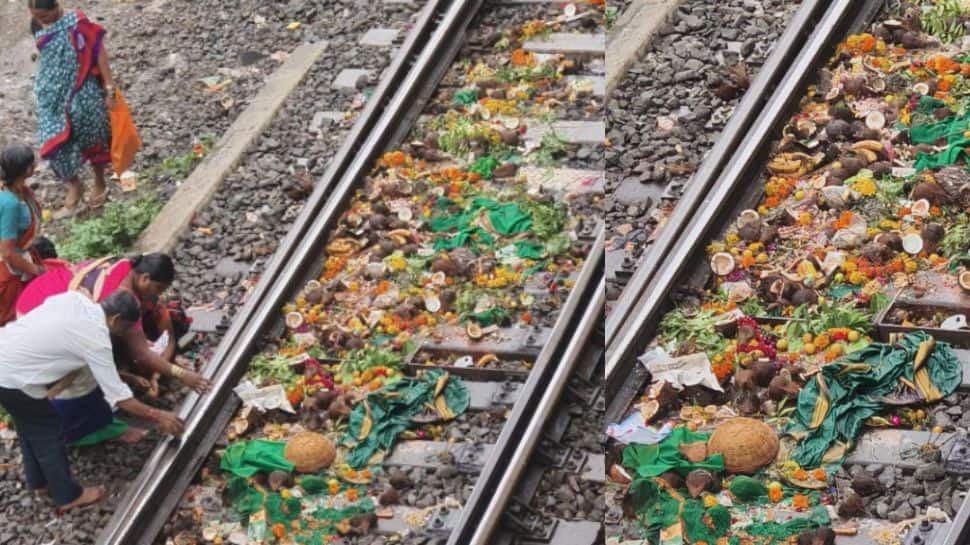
(694, 452)
(309, 452)
(699, 481)
(746, 444)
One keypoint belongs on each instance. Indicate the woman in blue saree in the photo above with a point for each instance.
(75, 91)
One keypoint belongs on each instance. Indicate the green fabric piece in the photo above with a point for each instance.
(245, 459)
(855, 396)
(484, 166)
(696, 519)
(653, 460)
(506, 218)
(951, 129)
(927, 105)
(747, 489)
(466, 97)
(392, 408)
(656, 508)
(281, 510)
(529, 250)
(839, 291)
(462, 238)
(107, 433)
(486, 317)
(780, 532)
(311, 484)
(244, 499)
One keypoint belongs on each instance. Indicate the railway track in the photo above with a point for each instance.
(453, 478)
(677, 276)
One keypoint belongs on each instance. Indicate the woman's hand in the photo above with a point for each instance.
(109, 97)
(197, 382)
(169, 423)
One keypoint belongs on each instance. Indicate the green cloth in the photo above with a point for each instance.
(311, 484)
(484, 166)
(506, 219)
(462, 238)
(780, 532)
(653, 460)
(311, 528)
(657, 509)
(244, 499)
(245, 459)
(392, 408)
(747, 489)
(530, 250)
(107, 433)
(486, 317)
(466, 97)
(951, 129)
(855, 396)
(927, 105)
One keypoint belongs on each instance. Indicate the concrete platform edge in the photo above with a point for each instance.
(198, 189)
(631, 34)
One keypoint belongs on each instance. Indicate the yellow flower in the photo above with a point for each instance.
(710, 501)
(864, 186)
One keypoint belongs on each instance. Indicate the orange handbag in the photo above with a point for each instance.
(125, 142)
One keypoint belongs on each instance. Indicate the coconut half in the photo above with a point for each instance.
(912, 243)
(921, 88)
(921, 208)
(722, 263)
(748, 216)
(474, 331)
(294, 320)
(964, 280)
(876, 120)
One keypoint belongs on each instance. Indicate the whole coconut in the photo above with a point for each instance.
(746, 444)
(309, 452)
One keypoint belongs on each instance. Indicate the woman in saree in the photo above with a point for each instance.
(86, 416)
(19, 219)
(74, 91)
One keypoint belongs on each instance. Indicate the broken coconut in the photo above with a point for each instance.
(964, 280)
(745, 443)
(694, 452)
(722, 263)
(875, 120)
(309, 452)
(294, 320)
(912, 243)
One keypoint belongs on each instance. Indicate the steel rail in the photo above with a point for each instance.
(157, 490)
(577, 323)
(958, 532)
(621, 370)
(768, 78)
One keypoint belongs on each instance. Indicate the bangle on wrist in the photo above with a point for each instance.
(177, 371)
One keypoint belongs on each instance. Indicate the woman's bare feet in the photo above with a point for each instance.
(89, 496)
(75, 190)
(132, 435)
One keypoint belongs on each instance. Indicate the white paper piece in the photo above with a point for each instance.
(633, 430)
(264, 399)
(957, 321)
(161, 344)
(689, 370)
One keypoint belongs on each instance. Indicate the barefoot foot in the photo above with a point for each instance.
(132, 435)
(90, 495)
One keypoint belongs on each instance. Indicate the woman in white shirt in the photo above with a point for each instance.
(45, 352)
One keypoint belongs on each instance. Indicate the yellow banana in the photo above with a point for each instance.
(440, 385)
(366, 424)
